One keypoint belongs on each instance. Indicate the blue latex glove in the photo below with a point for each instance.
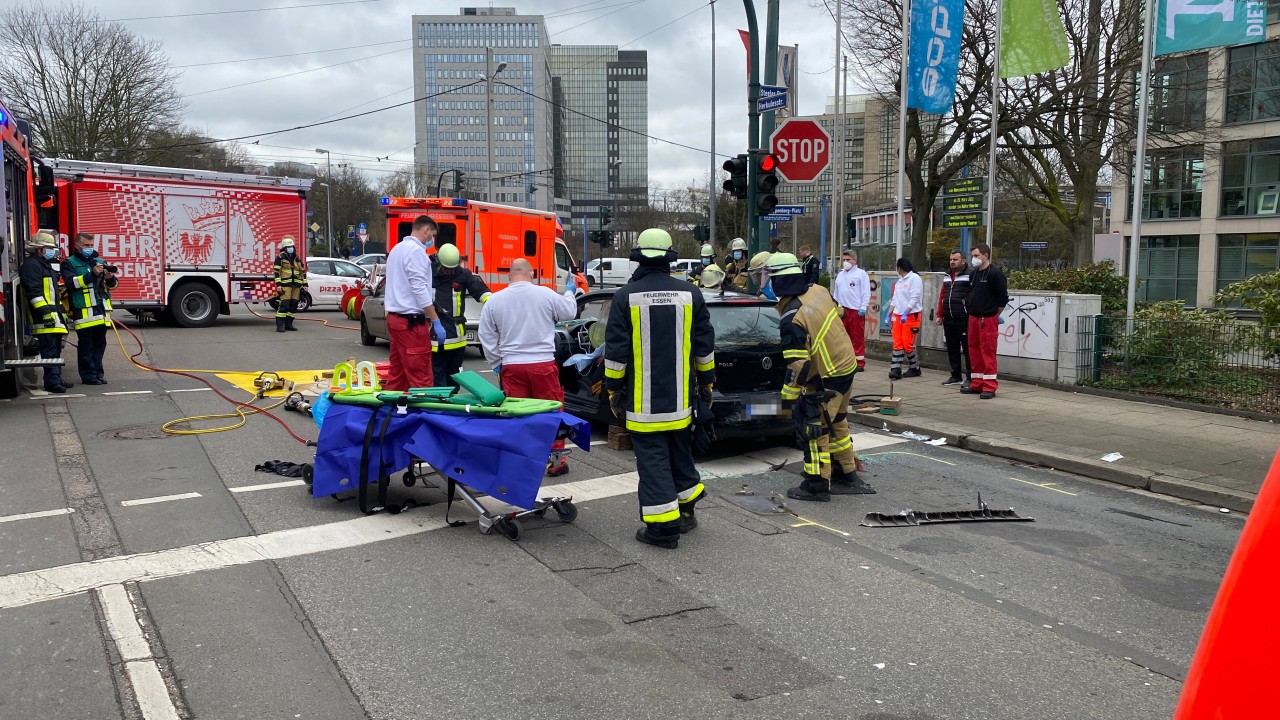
(569, 283)
(497, 370)
(862, 312)
(1001, 321)
(437, 327)
(902, 319)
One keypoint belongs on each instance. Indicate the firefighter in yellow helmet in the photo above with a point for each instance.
(819, 379)
(707, 255)
(654, 393)
(44, 308)
(759, 266)
(712, 278)
(291, 277)
(735, 264)
(452, 283)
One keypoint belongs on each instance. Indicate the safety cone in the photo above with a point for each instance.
(1233, 673)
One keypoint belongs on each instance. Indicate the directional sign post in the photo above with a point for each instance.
(772, 97)
(802, 148)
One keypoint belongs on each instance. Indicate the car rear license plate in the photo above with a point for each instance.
(763, 407)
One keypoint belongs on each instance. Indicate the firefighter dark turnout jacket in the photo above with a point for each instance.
(814, 343)
(290, 271)
(44, 307)
(451, 286)
(658, 341)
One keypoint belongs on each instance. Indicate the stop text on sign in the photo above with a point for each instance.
(805, 150)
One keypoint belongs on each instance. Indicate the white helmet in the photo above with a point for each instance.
(738, 244)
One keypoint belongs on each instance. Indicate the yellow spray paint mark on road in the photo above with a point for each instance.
(244, 380)
(805, 522)
(926, 457)
(1044, 486)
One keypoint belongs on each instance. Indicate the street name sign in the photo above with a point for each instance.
(772, 97)
(1035, 246)
(788, 210)
(802, 148)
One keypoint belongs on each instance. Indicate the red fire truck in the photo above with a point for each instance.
(186, 242)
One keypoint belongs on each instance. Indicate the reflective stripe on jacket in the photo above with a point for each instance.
(90, 294)
(814, 341)
(44, 308)
(290, 271)
(451, 302)
(658, 341)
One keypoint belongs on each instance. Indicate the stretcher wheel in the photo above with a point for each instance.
(308, 474)
(567, 511)
(542, 511)
(409, 478)
(508, 527)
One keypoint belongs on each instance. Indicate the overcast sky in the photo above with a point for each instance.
(214, 53)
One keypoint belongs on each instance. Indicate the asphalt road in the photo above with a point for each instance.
(226, 603)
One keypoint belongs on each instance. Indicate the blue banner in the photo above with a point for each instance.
(934, 54)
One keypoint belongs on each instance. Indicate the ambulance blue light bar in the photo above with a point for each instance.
(459, 202)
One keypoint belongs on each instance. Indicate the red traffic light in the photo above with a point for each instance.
(768, 163)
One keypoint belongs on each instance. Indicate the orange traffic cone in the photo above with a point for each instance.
(1233, 673)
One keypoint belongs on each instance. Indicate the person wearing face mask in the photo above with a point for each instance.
(44, 309)
(89, 282)
(852, 289)
(987, 298)
(291, 277)
(735, 264)
(409, 299)
(707, 256)
(904, 317)
(452, 283)
(953, 316)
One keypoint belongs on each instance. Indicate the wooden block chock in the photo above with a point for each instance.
(619, 438)
(890, 405)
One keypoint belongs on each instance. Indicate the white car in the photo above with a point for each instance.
(368, 260)
(327, 280)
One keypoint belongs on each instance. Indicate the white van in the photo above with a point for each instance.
(616, 271)
(682, 267)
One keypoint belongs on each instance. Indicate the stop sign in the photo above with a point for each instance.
(802, 149)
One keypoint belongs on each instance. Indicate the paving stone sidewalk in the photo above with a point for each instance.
(1196, 455)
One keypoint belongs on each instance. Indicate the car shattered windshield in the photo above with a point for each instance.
(744, 325)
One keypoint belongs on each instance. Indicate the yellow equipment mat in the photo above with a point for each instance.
(246, 380)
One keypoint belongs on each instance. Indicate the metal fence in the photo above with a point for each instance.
(1216, 362)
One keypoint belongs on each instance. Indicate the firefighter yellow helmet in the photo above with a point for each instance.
(449, 256)
(782, 264)
(654, 243)
(707, 250)
(712, 276)
(738, 244)
(758, 261)
(286, 241)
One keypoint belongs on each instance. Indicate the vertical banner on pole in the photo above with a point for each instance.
(934, 55)
(1033, 38)
(1185, 25)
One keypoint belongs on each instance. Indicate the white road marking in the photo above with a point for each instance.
(140, 665)
(37, 586)
(130, 392)
(33, 515)
(46, 395)
(266, 486)
(203, 389)
(160, 499)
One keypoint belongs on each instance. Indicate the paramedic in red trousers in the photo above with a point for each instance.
(987, 299)
(410, 305)
(659, 350)
(904, 317)
(953, 316)
(852, 289)
(452, 283)
(518, 335)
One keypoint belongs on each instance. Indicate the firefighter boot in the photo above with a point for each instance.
(813, 488)
(843, 483)
(688, 518)
(279, 324)
(288, 325)
(665, 535)
(558, 463)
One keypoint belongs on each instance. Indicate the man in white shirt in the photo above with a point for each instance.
(410, 304)
(518, 334)
(852, 289)
(904, 318)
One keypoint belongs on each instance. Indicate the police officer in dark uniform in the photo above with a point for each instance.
(452, 283)
(655, 394)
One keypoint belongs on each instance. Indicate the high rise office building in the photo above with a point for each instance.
(451, 58)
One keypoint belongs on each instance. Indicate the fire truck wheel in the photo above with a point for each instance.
(194, 305)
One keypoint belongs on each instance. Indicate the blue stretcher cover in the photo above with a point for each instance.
(503, 457)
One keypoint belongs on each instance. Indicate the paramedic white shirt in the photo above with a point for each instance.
(908, 294)
(408, 287)
(852, 288)
(518, 324)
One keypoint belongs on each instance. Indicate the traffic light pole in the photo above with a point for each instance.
(753, 126)
(766, 119)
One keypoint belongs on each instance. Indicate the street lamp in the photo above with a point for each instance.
(489, 73)
(328, 203)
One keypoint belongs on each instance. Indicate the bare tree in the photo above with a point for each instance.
(187, 148)
(938, 147)
(92, 90)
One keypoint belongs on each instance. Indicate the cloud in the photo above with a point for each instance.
(366, 78)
